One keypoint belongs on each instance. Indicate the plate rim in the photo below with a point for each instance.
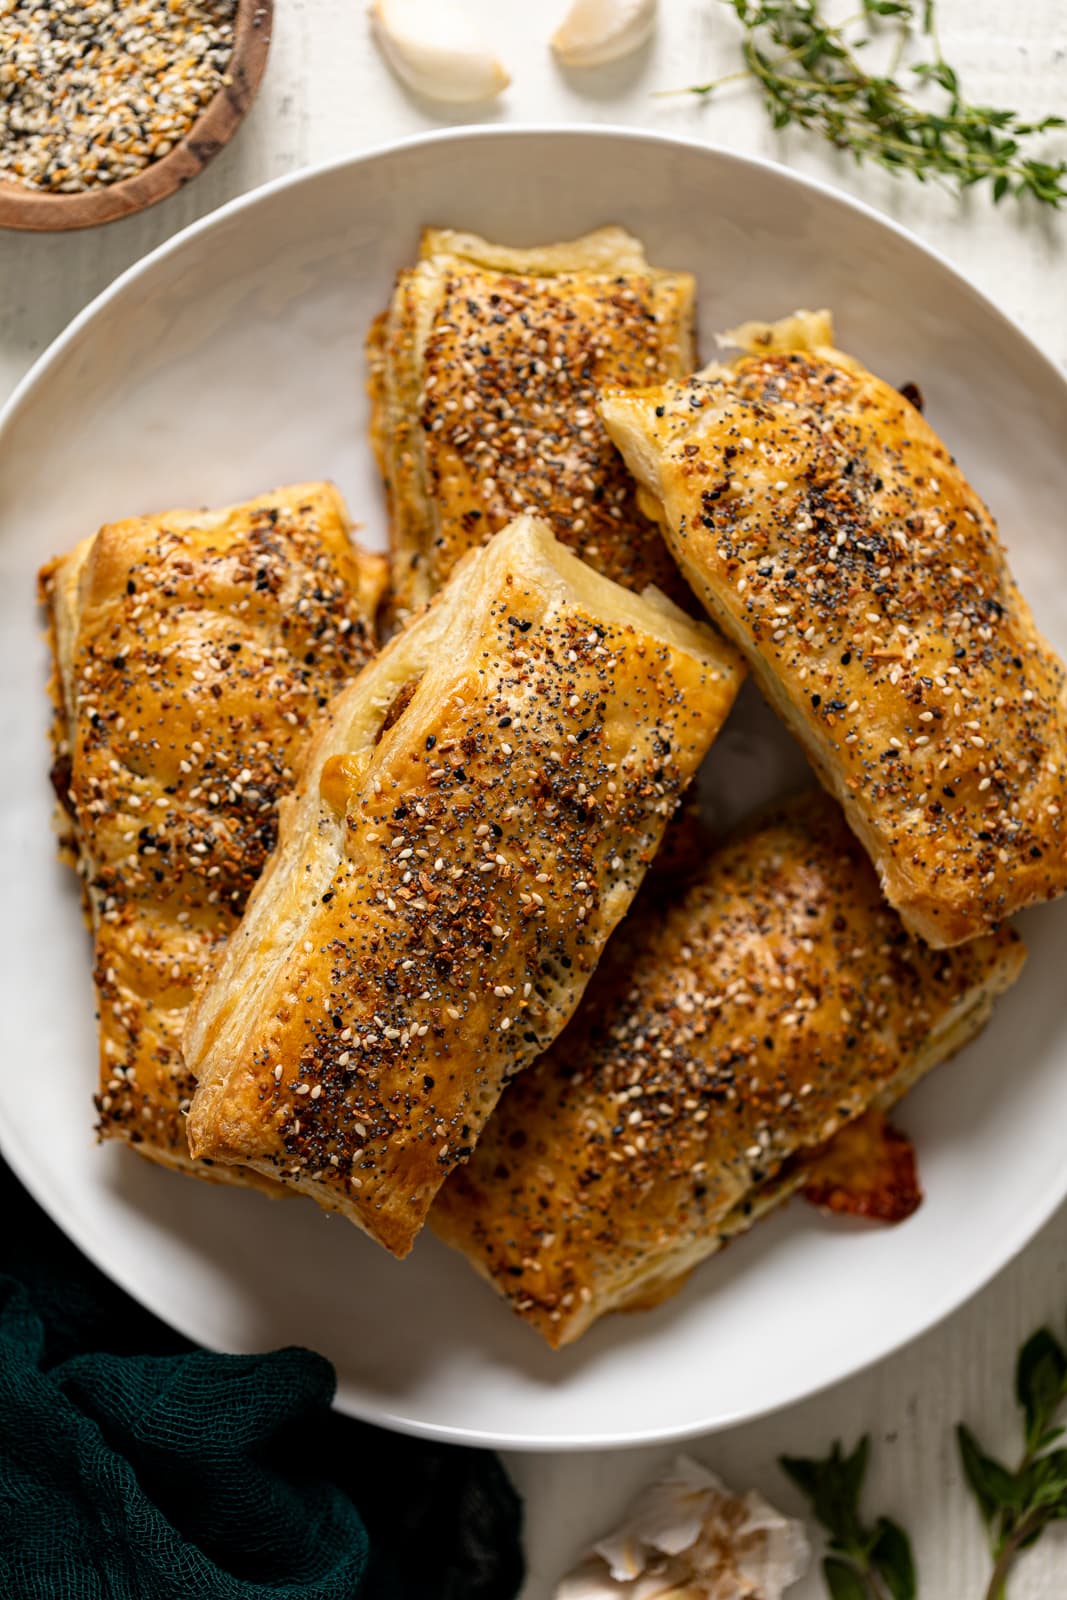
(1027, 1225)
(477, 132)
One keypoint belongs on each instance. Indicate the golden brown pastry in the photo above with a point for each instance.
(718, 1048)
(484, 378)
(834, 539)
(867, 1170)
(193, 652)
(471, 824)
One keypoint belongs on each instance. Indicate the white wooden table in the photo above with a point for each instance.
(326, 92)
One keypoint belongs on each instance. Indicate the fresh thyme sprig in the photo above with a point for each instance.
(811, 75)
(1017, 1506)
(863, 1563)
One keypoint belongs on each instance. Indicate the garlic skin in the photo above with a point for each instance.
(434, 48)
(688, 1537)
(595, 32)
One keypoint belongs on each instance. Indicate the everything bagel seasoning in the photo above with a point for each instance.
(93, 91)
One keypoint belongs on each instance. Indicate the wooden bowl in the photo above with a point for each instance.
(22, 207)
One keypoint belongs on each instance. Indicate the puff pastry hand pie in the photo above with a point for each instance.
(832, 536)
(193, 650)
(484, 376)
(717, 1049)
(471, 824)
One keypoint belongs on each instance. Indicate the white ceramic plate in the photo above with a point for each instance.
(230, 361)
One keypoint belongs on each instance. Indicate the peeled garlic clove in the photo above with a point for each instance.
(595, 32)
(435, 48)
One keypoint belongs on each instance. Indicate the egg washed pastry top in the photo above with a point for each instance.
(193, 651)
(484, 379)
(471, 824)
(833, 537)
(718, 1047)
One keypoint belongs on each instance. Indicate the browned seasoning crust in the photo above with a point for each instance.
(193, 653)
(472, 823)
(834, 539)
(869, 1169)
(717, 1044)
(484, 375)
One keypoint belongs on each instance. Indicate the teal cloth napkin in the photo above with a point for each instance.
(134, 1466)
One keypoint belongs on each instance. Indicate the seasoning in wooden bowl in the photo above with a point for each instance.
(108, 105)
(93, 92)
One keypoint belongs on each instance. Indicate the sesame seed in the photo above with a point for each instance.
(95, 91)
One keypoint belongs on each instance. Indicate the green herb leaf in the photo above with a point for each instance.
(1040, 1381)
(833, 1487)
(811, 76)
(843, 1581)
(892, 1559)
(1018, 1506)
(864, 1563)
(1043, 1484)
(993, 1485)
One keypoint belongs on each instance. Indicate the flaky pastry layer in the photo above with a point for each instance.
(720, 1045)
(193, 653)
(471, 825)
(833, 537)
(483, 377)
